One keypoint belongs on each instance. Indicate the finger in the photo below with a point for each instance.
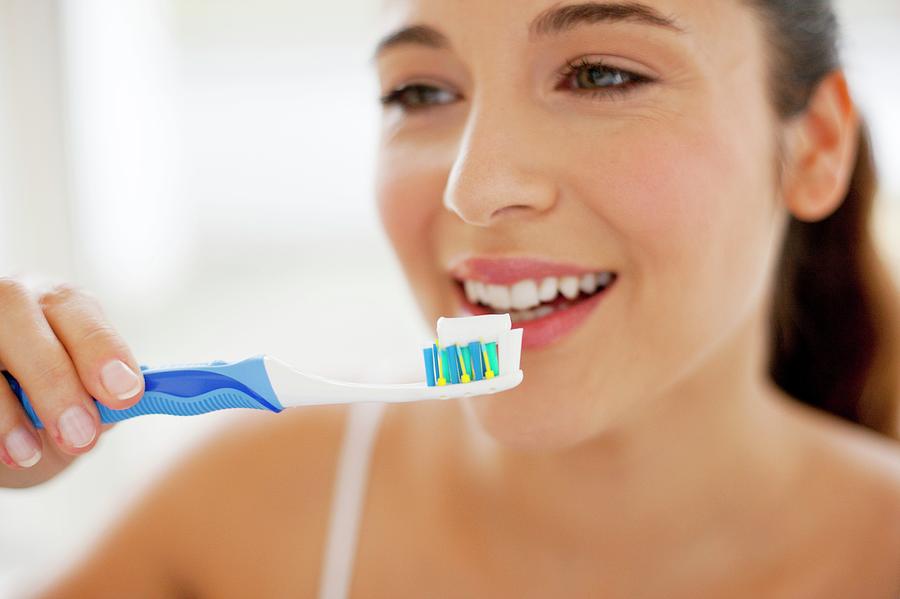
(21, 444)
(104, 363)
(34, 355)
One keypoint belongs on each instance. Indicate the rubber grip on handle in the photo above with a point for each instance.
(187, 391)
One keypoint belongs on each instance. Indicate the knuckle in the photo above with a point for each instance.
(99, 333)
(54, 373)
(11, 290)
(58, 295)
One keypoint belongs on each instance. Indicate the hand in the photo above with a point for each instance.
(62, 350)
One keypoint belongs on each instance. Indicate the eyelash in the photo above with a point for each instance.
(572, 69)
(633, 82)
(396, 96)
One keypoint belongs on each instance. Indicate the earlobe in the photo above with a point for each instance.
(820, 146)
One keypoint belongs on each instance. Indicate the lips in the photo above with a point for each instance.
(508, 271)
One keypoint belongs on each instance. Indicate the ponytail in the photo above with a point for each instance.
(835, 319)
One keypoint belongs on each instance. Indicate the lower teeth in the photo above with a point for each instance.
(526, 315)
(542, 311)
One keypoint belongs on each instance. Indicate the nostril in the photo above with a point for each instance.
(505, 209)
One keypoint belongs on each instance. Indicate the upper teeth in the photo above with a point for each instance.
(530, 293)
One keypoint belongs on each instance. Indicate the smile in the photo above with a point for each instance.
(547, 307)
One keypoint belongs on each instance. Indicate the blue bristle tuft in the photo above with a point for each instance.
(428, 354)
(477, 366)
(453, 364)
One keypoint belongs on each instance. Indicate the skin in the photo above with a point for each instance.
(647, 454)
(57, 341)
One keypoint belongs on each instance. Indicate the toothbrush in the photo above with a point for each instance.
(265, 383)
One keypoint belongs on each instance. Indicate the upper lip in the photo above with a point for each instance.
(507, 271)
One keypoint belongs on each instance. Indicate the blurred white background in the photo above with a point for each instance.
(206, 168)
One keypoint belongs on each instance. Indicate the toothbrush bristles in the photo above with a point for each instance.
(460, 363)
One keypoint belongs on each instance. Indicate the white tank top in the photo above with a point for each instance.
(348, 499)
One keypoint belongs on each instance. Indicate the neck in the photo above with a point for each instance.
(715, 445)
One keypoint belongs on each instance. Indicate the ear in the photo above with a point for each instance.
(821, 146)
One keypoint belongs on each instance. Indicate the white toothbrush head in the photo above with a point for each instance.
(472, 349)
(472, 356)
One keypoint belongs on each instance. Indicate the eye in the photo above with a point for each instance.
(598, 78)
(418, 96)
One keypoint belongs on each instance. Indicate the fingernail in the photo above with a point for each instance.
(77, 426)
(22, 447)
(120, 380)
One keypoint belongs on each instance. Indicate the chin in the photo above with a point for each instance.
(533, 419)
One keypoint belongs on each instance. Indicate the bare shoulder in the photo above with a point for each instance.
(870, 455)
(244, 515)
(850, 449)
(260, 494)
(869, 478)
(853, 482)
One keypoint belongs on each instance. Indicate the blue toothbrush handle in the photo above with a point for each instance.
(188, 390)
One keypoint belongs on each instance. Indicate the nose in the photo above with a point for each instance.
(498, 172)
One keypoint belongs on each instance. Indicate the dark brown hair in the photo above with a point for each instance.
(836, 327)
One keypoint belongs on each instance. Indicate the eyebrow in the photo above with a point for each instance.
(421, 35)
(550, 22)
(560, 19)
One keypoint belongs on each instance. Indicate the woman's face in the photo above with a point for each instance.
(525, 140)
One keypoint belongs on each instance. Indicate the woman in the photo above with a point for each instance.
(694, 432)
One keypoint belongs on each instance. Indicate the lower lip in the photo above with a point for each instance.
(547, 330)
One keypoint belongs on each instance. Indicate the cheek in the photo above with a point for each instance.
(694, 212)
(408, 194)
(404, 219)
(696, 201)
